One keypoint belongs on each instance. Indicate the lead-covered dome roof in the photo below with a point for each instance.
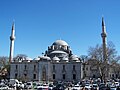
(74, 57)
(45, 57)
(56, 58)
(57, 51)
(60, 42)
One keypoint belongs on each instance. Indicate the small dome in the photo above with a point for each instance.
(74, 57)
(36, 58)
(45, 57)
(65, 58)
(28, 58)
(56, 58)
(60, 42)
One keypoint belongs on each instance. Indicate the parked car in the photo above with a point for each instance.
(112, 87)
(51, 87)
(116, 84)
(45, 87)
(88, 86)
(13, 83)
(59, 87)
(21, 85)
(39, 87)
(29, 85)
(95, 87)
(35, 85)
(76, 87)
(102, 86)
(4, 87)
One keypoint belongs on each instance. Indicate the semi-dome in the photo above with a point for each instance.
(60, 42)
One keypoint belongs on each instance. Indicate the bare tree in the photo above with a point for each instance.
(84, 57)
(97, 53)
(4, 67)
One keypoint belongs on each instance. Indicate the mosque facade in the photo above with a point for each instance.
(57, 64)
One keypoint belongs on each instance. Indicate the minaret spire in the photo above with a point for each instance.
(103, 26)
(12, 38)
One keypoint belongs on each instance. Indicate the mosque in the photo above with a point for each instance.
(57, 64)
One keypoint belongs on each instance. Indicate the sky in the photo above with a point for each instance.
(39, 23)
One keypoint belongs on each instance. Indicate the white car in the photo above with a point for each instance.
(29, 85)
(112, 87)
(13, 83)
(39, 86)
(76, 87)
(88, 86)
(95, 87)
(45, 86)
(4, 87)
(21, 85)
(116, 84)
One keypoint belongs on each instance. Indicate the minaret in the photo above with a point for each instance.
(105, 60)
(104, 35)
(12, 38)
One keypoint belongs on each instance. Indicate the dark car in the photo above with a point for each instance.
(102, 86)
(59, 87)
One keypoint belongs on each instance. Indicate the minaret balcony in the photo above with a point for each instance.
(12, 37)
(103, 35)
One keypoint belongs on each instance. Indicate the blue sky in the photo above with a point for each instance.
(38, 23)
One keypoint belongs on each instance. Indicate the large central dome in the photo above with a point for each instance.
(60, 42)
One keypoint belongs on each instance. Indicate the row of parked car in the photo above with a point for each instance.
(14, 84)
(97, 86)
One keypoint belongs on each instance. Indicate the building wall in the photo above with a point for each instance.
(67, 69)
(22, 68)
